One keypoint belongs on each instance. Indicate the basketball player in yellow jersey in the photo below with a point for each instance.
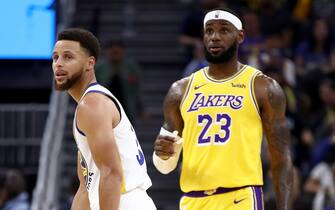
(217, 117)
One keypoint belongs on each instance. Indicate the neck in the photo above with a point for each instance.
(78, 89)
(224, 70)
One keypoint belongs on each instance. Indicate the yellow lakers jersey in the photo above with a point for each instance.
(222, 132)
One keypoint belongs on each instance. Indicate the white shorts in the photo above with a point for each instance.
(136, 199)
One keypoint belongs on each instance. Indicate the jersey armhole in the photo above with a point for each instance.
(110, 97)
(252, 91)
(77, 127)
(187, 91)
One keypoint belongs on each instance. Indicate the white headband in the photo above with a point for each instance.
(223, 15)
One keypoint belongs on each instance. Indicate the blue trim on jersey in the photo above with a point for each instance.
(113, 99)
(90, 85)
(81, 132)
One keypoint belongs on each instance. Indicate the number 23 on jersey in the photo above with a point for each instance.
(207, 122)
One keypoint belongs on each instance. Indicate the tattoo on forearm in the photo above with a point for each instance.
(274, 121)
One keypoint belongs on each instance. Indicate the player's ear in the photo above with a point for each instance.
(240, 36)
(91, 62)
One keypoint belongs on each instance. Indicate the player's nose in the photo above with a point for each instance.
(58, 62)
(215, 37)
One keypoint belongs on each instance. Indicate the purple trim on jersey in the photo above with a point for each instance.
(113, 99)
(258, 202)
(98, 91)
(187, 91)
(220, 190)
(90, 85)
(226, 79)
(252, 86)
(82, 133)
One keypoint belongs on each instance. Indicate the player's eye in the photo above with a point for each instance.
(55, 57)
(67, 57)
(209, 31)
(224, 30)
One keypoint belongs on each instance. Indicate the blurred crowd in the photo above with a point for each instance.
(13, 194)
(292, 41)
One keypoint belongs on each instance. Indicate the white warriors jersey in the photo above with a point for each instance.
(131, 155)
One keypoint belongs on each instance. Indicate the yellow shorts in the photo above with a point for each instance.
(248, 198)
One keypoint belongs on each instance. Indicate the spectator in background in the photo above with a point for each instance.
(273, 16)
(312, 62)
(121, 75)
(254, 41)
(288, 39)
(198, 62)
(314, 52)
(319, 128)
(324, 9)
(321, 182)
(324, 119)
(14, 192)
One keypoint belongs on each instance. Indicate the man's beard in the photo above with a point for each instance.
(223, 57)
(68, 83)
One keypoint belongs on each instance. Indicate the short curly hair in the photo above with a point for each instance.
(86, 39)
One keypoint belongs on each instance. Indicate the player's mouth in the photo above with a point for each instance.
(215, 49)
(60, 75)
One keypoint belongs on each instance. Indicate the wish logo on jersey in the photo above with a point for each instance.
(86, 174)
(202, 101)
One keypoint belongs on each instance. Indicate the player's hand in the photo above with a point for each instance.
(164, 146)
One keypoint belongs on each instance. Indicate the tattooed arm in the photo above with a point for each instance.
(272, 103)
(172, 119)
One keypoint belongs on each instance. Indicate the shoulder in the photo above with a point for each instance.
(178, 88)
(95, 105)
(263, 80)
(92, 100)
(268, 90)
(175, 94)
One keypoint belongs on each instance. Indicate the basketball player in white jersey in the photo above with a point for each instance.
(111, 165)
